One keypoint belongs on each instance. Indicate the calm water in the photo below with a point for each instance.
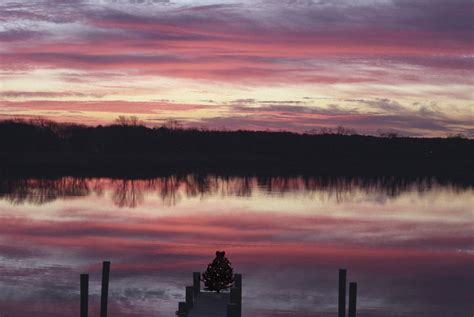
(408, 244)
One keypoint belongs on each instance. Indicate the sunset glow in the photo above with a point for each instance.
(402, 66)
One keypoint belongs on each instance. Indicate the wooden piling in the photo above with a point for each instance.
(182, 310)
(105, 288)
(232, 310)
(236, 298)
(352, 299)
(84, 295)
(238, 280)
(189, 297)
(196, 283)
(238, 287)
(342, 292)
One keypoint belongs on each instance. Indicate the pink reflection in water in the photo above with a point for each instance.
(409, 245)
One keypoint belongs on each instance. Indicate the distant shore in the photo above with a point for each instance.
(83, 164)
(28, 149)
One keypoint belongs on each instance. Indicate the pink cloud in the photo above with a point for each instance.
(396, 44)
(117, 106)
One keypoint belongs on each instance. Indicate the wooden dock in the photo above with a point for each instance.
(229, 304)
(210, 304)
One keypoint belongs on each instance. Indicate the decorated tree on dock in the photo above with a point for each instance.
(219, 274)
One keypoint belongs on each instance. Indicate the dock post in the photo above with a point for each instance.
(238, 286)
(189, 297)
(84, 295)
(196, 283)
(182, 310)
(238, 283)
(352, 299)
(105, 288)
(236, 298)
(232, 310)
(342, 292)
(238, 280)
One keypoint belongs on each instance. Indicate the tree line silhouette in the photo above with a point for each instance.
(42, 147)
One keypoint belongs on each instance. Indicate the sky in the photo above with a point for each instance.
(394, 66)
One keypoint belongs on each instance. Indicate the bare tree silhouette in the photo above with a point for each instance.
(128, 193)
(128, 121)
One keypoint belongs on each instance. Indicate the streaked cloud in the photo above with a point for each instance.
(396, 50)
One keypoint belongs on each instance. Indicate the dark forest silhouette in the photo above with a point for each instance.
(46, 148)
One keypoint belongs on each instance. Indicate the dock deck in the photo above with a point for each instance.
(211, 304)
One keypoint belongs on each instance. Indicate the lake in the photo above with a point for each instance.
(408, 243)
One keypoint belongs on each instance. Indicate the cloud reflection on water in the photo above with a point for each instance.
(408, 244)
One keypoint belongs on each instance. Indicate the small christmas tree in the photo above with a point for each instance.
(219, 274)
